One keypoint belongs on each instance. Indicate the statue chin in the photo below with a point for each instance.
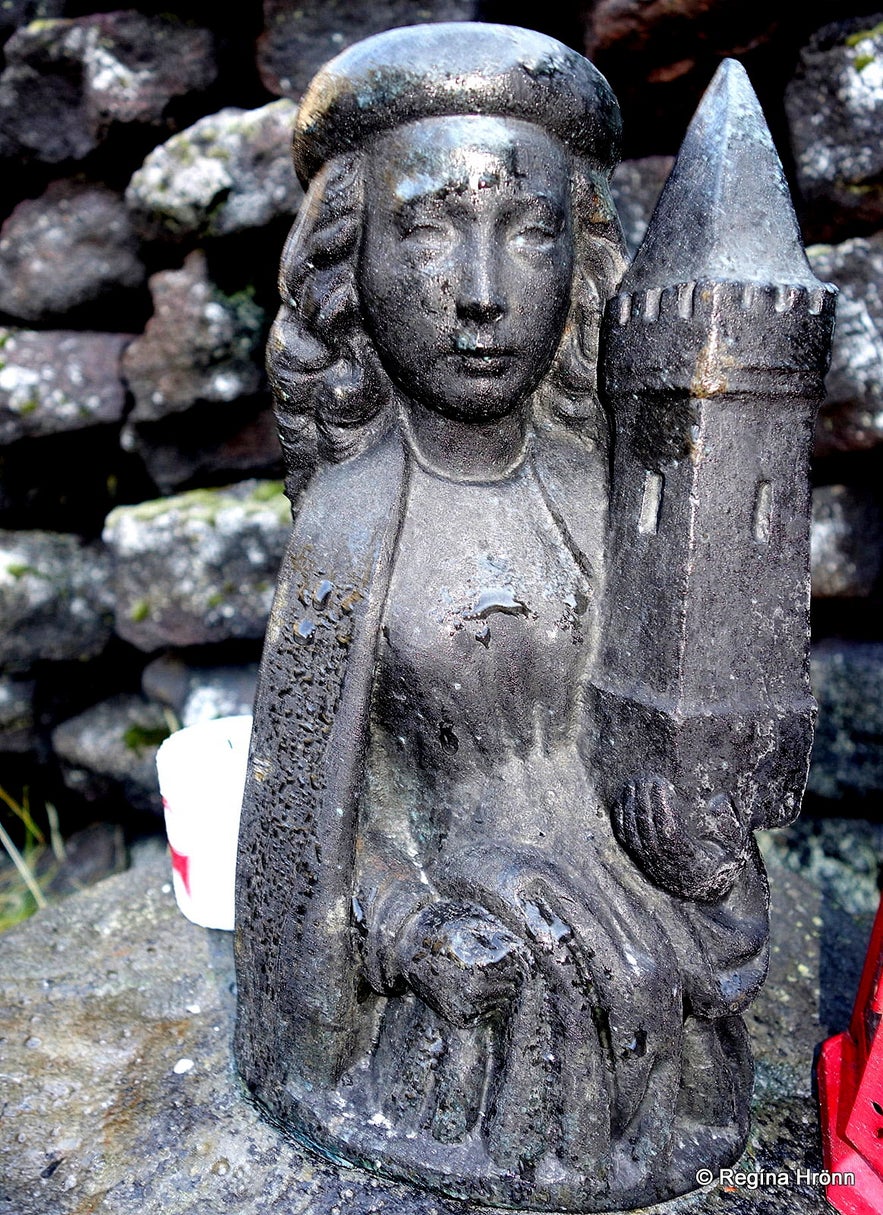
(537, 665)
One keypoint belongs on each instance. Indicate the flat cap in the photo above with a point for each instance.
(451, 68)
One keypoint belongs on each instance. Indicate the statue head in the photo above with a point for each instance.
(457, 241)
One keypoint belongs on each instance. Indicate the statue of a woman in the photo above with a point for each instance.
(450, 968)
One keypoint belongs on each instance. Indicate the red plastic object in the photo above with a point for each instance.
(850, 1075)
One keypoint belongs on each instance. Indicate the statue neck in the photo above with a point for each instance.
(465, 450)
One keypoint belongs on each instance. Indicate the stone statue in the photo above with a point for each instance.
(537, 664)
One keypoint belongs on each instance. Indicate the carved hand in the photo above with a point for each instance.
(692, 854)
(462, 962)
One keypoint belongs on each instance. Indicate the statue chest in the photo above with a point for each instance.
(487, 620)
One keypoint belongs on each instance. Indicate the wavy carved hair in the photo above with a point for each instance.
(333, 398)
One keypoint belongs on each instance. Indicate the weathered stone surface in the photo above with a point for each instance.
(54, 381)
(199, 345)
(199, 567)
(16, 714)
(846, 541)
(834, 104)
(228, 172)
(299, 37)
(196, 693)
(110, 751)
(208, 443)
(15, 13)
(67, 82)
(852, 416)
(55, 599)
(847, 758)
(841, 856)
(636, 185)
(121, 1095)
(69, 247)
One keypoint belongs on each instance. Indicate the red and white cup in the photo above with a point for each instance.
(201, 777)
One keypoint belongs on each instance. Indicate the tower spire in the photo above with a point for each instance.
(725, 213)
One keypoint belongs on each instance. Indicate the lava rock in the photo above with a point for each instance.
(847, 757)
(68, 82)
(17, 719)
(229, 172)
(834, 104)
(54, 381)
(635, 186)
(199, 345)
(109, 751)
(208, 444)
(846, 541)
(300, 36)
(195, 693)
(55, 599)
(118, 1018)
(852, 416)
(16, 13)
(73, 245)
(200, 567)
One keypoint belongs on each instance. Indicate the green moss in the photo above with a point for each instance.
(215, 599)
(18, 571)
(861, 62)
(854, 39)
(31, 405)
(140, 611)
(138, 737)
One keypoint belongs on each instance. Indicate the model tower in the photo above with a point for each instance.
(712, 363)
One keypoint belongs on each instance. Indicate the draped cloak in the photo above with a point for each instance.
(626, 1039)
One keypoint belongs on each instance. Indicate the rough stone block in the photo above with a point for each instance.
(229, 172)
(67, 82)
(55, 599)
(68, 248)
(56, 381)
(846, 541)
(199, 567)
(847, 757)
(834, 104)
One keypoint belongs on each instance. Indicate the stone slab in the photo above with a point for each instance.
(119, 1093)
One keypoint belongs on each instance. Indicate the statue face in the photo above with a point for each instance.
(466, 260)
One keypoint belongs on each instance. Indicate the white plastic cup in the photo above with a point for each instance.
(201, 778)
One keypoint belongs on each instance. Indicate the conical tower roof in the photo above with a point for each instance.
(725, 212)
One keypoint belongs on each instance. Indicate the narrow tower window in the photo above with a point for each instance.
(763, 510)
(651, 504)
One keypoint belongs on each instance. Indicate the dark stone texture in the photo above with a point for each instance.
(200, 693)
(299, 37)
(227, 173)
(208, 444)
(67, 83)
(108, 752)
(846, 541)
(529, 684)
(17, 724)
(55, 600)
(105, 995)
(197, 568)
(16, 13)
(847, 678)
(636, 186)
(834, 104)
(852, 417)
(55, 381)
(199, 345)
(66, 249)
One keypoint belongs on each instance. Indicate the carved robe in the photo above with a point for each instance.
(418, 738)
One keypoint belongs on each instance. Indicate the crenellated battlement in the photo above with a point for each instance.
(698, 300)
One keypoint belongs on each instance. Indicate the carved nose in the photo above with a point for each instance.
(478, 299)
(480, 309)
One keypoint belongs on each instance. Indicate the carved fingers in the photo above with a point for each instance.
(462, 962)
(694, 852)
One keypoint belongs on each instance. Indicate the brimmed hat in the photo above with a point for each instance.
(451, 68)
